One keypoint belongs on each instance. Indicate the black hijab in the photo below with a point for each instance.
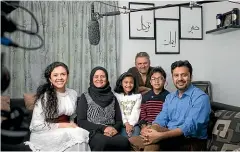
(101, 96)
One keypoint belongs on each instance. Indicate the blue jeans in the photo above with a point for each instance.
(136, 132)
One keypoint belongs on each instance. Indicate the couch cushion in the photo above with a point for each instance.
(29, 99)
(17, 102)
(5, 105)
(226, 131)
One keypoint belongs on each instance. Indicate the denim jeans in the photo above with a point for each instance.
(136, 132)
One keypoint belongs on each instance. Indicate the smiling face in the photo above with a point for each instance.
(142, 64)
(157, 81)
(181, 78)
(59, 78)
(127, 84)
(99, 79)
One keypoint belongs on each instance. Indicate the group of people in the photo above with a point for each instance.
(138, 114)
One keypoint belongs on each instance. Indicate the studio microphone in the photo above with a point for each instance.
(111, 13)
(93, 28)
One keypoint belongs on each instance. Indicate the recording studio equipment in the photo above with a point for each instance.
(93, 25)
(93, 28)
(9, 26)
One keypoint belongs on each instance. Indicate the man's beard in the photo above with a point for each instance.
(183, 87)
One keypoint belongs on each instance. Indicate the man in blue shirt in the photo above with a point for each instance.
(182, 123)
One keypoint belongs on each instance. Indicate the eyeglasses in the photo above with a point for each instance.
(157, 79)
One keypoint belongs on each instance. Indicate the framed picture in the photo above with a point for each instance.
(167, 36)
(141, 24)
(191, 23)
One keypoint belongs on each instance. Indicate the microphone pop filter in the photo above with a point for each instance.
(93, 32)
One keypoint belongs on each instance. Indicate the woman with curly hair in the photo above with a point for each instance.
(51, 128)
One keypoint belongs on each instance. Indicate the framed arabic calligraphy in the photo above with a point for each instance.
(141, 24)
(167, 36)
(191, 23)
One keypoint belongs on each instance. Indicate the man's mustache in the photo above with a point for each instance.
(181, 81)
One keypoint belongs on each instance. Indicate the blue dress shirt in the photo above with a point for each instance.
(190, 113)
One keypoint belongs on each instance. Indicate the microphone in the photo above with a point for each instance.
(93, 25)
(93, 28)
(111, 13)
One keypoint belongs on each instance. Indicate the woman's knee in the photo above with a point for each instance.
(98, 143)
(124, 143)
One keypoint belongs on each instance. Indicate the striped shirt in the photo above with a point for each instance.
(151, 105)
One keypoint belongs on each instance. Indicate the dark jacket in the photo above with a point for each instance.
(138, 77)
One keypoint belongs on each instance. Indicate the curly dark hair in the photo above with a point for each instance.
(119, 88)
(50, 108)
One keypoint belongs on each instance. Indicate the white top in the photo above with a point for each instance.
(47, 136)
(130, 107)
(66, 104)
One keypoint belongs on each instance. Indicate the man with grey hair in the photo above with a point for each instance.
(141, 72)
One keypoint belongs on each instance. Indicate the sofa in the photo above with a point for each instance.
(224, 126)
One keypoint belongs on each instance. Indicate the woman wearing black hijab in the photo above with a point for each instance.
(98, 112)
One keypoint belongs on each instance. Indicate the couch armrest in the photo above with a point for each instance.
(220, 106)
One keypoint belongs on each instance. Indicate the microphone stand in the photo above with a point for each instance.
(190, 4)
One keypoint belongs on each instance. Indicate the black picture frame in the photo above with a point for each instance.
(166, 28)
(191, 23)
(141, 23)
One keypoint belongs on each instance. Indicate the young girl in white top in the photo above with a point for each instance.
(130, 102)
